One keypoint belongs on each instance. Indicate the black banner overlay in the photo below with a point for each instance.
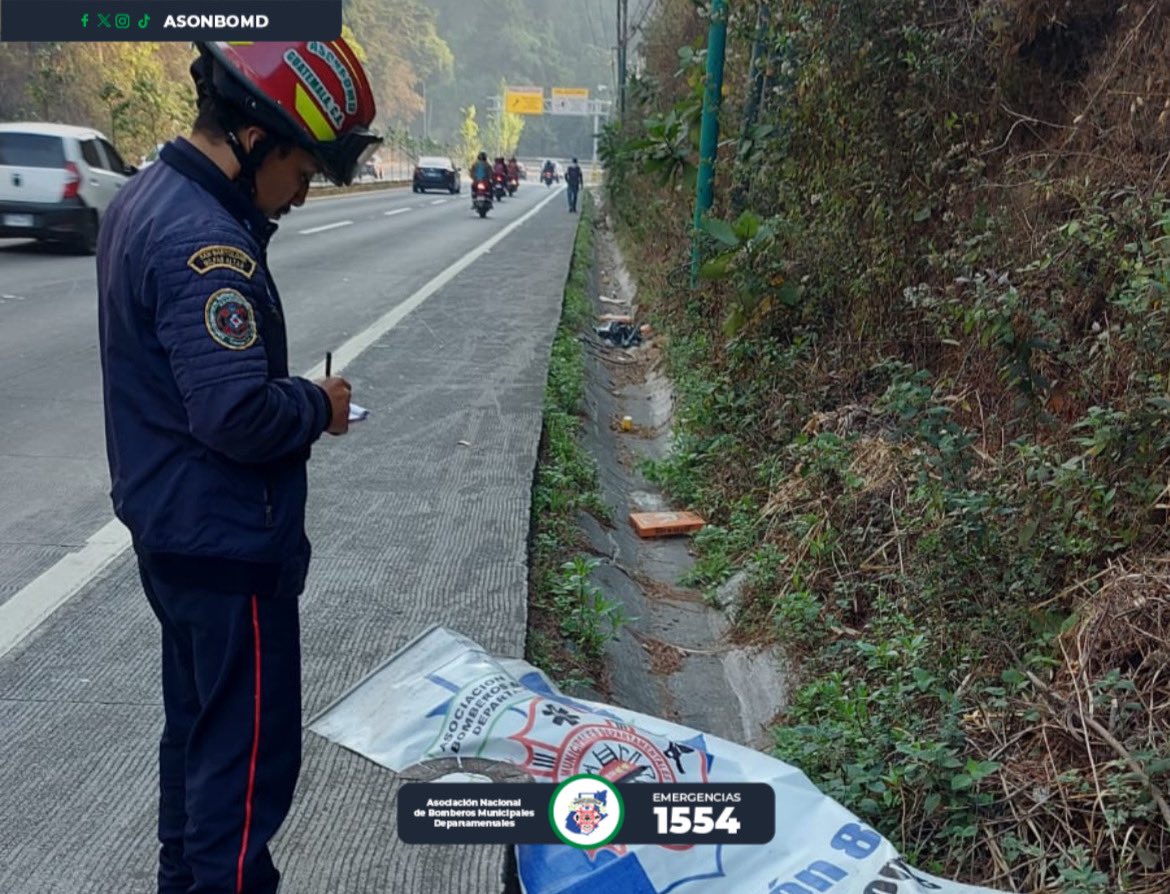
(649, 813)
(169, 20)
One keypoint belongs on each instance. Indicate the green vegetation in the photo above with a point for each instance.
(571, 618)
(923, 397)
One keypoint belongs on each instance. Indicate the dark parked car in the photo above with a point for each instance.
(436, 172)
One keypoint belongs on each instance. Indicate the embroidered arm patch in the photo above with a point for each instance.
(230, 320)
(222, 257)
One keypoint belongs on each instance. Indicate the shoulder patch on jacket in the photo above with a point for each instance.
(230, 320)
(222, 257)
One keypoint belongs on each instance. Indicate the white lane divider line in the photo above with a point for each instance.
(440, 202)
(36, 602)
(350, 350)
(398, 211)
(332, 226)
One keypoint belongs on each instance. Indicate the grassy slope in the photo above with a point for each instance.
(925, 402)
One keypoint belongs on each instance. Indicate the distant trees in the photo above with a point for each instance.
(545, 43)
(469, 139)
(138, 94)
(403, 50)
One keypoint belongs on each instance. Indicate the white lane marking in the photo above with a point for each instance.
(38, 600)
(350, 350)
(25, 611)
(439, 202)
(398, 211)
(332, 226)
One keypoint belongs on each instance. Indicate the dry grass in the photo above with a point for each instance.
(1086, 752)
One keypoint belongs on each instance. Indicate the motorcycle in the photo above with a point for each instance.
(547, 177)
(499, 189)
(481, 197)
(513, 185)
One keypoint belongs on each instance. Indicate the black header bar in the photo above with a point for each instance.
(169, 20)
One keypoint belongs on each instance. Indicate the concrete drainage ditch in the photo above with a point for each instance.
(675, 660)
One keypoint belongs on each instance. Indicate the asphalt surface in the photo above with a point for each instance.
(418, 516)
(54, 484)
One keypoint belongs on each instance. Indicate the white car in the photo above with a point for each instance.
(56, 181)
(152, 157)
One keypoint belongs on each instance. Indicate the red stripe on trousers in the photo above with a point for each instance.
(255, 750)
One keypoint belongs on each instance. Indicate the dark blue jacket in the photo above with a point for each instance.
(207, 435)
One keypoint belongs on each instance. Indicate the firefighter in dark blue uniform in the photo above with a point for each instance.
(208, 436)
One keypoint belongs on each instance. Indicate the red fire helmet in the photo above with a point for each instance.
(314, 93)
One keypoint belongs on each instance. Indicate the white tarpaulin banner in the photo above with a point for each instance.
(442, 697)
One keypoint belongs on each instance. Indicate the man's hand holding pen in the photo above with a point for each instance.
(338, 391)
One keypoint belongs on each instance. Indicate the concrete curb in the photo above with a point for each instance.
(375, 186)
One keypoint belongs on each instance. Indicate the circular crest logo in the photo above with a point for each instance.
(230, 320)
(586, 811)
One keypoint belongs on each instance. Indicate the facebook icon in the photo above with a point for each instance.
(85, 20)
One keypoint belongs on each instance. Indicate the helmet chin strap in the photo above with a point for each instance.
(249, 161)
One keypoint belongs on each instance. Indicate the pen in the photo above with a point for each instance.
(328, 364)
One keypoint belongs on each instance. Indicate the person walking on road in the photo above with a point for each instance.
(208, 436)
(574, 178)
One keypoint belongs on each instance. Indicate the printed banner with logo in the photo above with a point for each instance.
(442, 697)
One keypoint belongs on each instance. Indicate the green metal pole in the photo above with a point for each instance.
(622, 25)
(709, 136)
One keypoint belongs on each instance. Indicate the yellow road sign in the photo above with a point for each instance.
(524, 100)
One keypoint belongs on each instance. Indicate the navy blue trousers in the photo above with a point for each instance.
(572, 191)
(230, 750)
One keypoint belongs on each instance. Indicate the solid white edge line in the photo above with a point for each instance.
(24, 612)
(350, 350)
(35, 603)
(332, 226)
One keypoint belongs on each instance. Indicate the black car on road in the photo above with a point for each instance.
(436, 172)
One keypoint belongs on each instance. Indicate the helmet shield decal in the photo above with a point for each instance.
(320, 92)
(325, 53)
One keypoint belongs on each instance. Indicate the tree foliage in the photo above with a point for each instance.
(470, 143)
(136, 93)
(403, 48)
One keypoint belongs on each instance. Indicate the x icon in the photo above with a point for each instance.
(103, 21)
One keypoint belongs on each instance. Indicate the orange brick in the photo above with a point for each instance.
(665, 524)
